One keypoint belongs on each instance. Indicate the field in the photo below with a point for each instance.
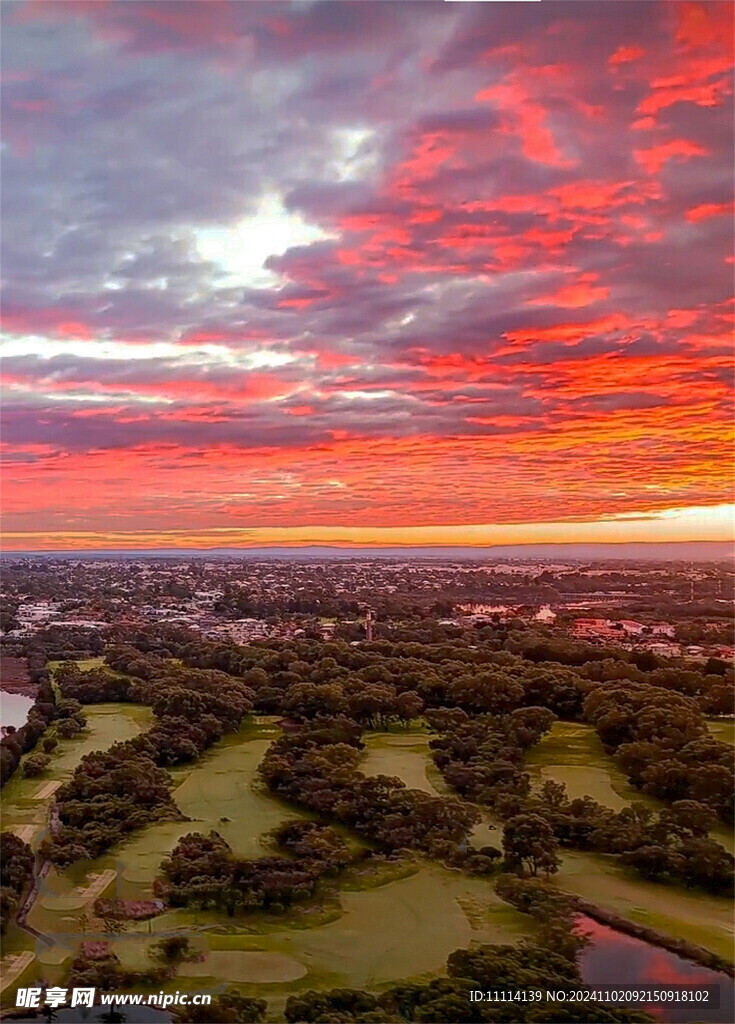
(407, 756)
(83, 663)
(374, 930)
(696, 916)
(371, 937)
(723, 729)
(572, 753)
(26, 802)
(372, 933)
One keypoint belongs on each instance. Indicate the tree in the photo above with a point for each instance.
(229, 1008)
(653, 862)
(35, 764)
(172, 949)
(529, 842)
(16, 869)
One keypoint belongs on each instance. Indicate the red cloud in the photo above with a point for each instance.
(655, 157)
(518, 286)
(625, 54)
(573, 296)
(706, 210)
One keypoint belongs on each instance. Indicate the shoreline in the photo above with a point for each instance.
(14, 677)
(20, 689)
(680, 947)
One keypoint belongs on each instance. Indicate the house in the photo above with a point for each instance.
(595, 629)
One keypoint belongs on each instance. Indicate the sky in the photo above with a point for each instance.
(366, 273)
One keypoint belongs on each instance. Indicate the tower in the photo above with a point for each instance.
(369, 624)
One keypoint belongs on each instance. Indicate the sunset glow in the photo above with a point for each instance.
(366, 273)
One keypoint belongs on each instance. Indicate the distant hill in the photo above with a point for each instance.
(685, 551)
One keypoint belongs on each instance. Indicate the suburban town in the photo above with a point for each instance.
(670, 609)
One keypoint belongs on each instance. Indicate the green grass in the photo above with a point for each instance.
(383, 926)
(572, 753)
(84, 664)
(55, 909)
(696, 916)
(246, 966)
(408, 757)
(387, 925)
(400, 929)
(722, 729)
(106, 723)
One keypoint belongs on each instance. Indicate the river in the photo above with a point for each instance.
(617, 960)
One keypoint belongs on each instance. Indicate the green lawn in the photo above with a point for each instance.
(696, 916)
(26, 813)
(22, 809)
(85, 664)
(378, 936)
(723, 729)
(222, 784)
(373, 932)
(572, 753)
(408, 757)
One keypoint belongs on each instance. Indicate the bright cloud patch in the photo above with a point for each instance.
(239, 252)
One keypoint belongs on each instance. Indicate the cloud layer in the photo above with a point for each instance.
(363, 264)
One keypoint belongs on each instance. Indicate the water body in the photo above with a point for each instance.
(14, 708)
(622, 961)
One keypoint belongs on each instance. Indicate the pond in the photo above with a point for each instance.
(621, 961)
(14, 708)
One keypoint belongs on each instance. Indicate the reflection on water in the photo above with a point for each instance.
(14, 708)
(622, 961)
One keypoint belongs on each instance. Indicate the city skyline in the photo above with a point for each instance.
(366, 274)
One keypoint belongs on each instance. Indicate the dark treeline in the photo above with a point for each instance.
(16, 869)
(398, 680)
(482, 758)
(117, 791)
(489, 708)
(53, 643)
(431, 655)
(18, 742)
(201, 871)
(663, 745)
(489, 702)
(316, 766)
